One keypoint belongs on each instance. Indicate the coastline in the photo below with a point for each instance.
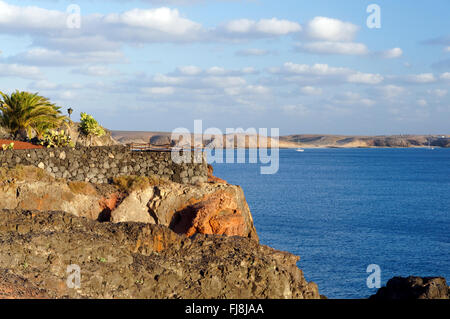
(306, 141)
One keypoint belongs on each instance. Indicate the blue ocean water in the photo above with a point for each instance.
(344, 209)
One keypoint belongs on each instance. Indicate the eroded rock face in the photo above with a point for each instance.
(414, 288)
(216, 214)
(16, 287)
(82, 140)
(46, 196)
(135, 260)
(207, 208)
(134, 208)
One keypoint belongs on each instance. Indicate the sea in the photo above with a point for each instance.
(343, 210)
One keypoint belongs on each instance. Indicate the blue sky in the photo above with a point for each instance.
(301, 66)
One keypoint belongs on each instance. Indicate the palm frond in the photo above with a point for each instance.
(25, 111)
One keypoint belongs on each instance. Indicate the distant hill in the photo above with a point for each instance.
(300, 141)
(126, 137)
(368, 141)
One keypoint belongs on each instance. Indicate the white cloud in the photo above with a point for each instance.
(30, 19)
(445, 76)
(263, 27)
(422, 102)
(421, 78)
(392, 53)
(348, 96)
(65, 95)
(249, 70)
(252, 52)
(19, 71)
(98, 31)
(95, 70)
(168, 80)
(331, 36)
(75, 43)
(247, 90)
(215, 70)
(45, 57)
(310, 90)
(447, 49)
(295, 109)
(277, 27)
(329, 29)
(365, 78)
(367, 102)
(164, 20)
(43, 85)
(224, 82)
(166, 90)
(321, 74)
(189, 70)
(352, 98)
(390, 91)
(107, 33)
(316, 69)
(438, 92)
(329, 47)
(324, 70)
(136, 26)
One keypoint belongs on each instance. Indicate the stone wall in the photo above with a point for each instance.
(99, 164)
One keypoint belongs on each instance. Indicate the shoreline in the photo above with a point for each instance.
(306, 141)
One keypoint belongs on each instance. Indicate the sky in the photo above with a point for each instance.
(305, 67)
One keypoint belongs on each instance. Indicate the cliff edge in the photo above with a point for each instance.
(136, 260)
(138, 237)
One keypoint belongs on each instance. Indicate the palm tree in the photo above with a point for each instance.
(24, 112)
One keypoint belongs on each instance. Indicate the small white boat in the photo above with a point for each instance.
(300, 150)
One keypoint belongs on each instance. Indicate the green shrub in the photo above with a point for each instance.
(52, 138)
(8, 146)
(90, 127)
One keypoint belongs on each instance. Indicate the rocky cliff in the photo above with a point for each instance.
(135, 260)
(81, 140)
(412, 287)
(206, 208)
(143, 237)
(136, 238)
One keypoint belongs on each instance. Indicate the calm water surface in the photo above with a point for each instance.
(344, 209)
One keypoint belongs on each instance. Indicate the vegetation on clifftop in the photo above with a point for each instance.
(29, 117)
(90, 127)
(54, 138)
(25, 113)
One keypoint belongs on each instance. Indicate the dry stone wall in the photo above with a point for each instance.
(100, 164)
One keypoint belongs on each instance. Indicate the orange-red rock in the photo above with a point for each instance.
(217, 214)
(18, 145)
(107, 205)
(16, 287)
